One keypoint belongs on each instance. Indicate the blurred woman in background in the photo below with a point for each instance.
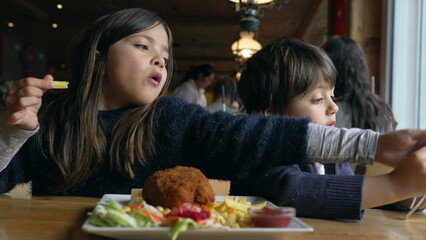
(358, 105)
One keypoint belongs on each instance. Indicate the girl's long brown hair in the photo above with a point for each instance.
(75, 140)
(353, 86)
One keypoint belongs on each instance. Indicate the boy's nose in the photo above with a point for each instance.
(332, 108)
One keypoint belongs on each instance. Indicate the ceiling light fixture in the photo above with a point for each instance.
(255, 1)
(247, 45)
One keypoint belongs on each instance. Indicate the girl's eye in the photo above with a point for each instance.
(166, 60)
(318, 100)
(142, 46)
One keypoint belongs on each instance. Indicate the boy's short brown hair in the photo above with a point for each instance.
(280, 71)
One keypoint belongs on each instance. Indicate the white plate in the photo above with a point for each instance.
(296, 225)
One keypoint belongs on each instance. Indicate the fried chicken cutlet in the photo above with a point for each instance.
(174, 186)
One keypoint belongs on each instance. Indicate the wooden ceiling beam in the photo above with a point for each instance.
(309, 20)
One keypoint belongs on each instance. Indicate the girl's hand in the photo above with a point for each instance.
(23, 100)
(409, 176)
(393, 147)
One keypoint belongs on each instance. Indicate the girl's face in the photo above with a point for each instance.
(316, 103)
(135, 71)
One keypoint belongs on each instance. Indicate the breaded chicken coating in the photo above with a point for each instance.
(174, 186)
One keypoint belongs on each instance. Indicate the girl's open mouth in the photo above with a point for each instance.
(155, 78)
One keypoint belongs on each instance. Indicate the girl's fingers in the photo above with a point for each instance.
(49, 79)
(417, 134)
(23, 92)
(31, 82)
(23, 97)
(29, 91)
(16, 117)
(17, 104)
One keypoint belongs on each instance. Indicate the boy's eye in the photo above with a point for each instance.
(142, 46)
(317, 100)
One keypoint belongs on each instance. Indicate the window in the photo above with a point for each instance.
(406, 51)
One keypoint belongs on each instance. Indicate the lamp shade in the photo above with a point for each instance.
(246, 46)
(252, 1)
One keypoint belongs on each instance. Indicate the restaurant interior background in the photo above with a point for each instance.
(35, 34)
(203, 30)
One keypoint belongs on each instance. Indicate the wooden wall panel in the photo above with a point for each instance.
(365, 28)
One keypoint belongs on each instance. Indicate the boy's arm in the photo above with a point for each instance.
(11, 140)
(313, 195)
(405, 181)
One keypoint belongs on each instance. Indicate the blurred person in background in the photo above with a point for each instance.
(224, 98)
(359, 106)
(195, 83)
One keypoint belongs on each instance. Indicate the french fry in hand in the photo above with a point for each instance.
(59, 84)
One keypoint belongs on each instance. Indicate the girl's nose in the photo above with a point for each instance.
(159, 62)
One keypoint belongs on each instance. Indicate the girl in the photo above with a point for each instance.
(359, 106)
(111, 130)
(290, 77)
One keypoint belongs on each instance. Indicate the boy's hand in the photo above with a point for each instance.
(23, 101)
(410, 175)
(393, 147)
(407, 203)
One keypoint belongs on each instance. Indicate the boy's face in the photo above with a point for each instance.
(316, 103)
(135, 71)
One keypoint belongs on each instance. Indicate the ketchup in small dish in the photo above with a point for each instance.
(279, 217)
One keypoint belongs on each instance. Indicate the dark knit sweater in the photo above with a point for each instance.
(223, 146)
(336, 195)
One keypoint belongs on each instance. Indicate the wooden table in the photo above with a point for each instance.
(51, 218)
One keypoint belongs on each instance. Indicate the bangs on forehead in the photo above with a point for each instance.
(324, 71)
(321, 75)
(328, 73)
(327, 69)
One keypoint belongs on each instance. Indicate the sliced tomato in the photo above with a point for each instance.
(190, 210)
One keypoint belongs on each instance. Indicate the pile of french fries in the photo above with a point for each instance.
(232, 212)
